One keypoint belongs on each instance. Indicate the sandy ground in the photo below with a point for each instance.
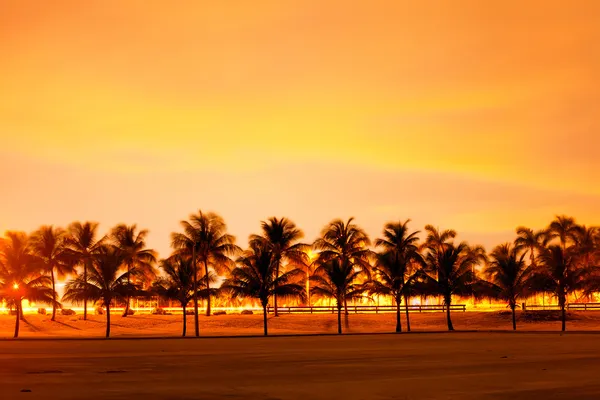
(38, 326)
(425, 366)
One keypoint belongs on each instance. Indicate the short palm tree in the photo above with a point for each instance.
(204, 240)
(20, 275)
(561, 274)
(108, 281)
(83, 243)
(346, 242)
(48, 244)
(397, 267)
(133, 244)
(281, 237)
(177, 284)
(256, 276)
(450, 270)
(339, 280)
(508, 276)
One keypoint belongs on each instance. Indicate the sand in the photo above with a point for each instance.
(39, 326)
(419, 366)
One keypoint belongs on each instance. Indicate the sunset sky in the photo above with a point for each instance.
(473, 115)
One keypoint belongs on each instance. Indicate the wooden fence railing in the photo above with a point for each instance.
(365, 309)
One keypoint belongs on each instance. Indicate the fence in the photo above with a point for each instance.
(365, 309)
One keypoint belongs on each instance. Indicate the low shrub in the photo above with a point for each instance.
(189, 312)
(130, 312)
(246, 312)
(159, 311)
(42, 311)
(67, 311)
(100, 311)
(223, 312)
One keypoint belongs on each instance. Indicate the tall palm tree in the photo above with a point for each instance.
(565, 229)
(438, 238)
(204, 240)
(396, 267)
(508, 276)
(450, 271)
(177, 284)
(84, 244)
(133, 244)
(339, 280)
(108, 280)
(560, 274)
(346, 242)
(20, 275)
(257, 277)
(281, 236)
(48, 244)
(530, 241)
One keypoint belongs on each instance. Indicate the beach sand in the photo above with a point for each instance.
(40, 326)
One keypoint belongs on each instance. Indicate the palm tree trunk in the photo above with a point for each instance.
(18, 320)
(207, 288)
(276, 313)
(448, 319)
(398, 322)
(107, 319)
(407, 317)
(339, 307)
(184, 320)
(53, 295)
(265, 319)
(514, 317)
(85, 265)
(196, 325)
(128, 300)
(563, 317)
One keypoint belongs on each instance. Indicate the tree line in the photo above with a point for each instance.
(342, 264)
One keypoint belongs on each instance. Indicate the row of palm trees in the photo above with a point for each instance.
(342, 264)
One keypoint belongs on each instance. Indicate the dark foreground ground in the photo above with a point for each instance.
(415, 366)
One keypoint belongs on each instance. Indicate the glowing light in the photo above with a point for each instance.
(16, 286)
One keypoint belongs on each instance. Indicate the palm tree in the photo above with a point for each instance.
(450, 271)
(107, 281)
(338, 280)
(205, 240)
(133, 244)
(561, 274)
(530, 241)
(508, 276)
(20, 277)
(438, 238)
(395, 266)
(565, 229)
(48, 244)
(346, 242)
(281, 237)
(257, 277)
(177, 284)
(84, 244)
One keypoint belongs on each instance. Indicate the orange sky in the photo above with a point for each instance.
(474, 115)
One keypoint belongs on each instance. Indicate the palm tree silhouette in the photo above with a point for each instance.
(450, 272)
(177, 284)
(205, 240)
(20, 277)
(346, 242)
(560, 273)
(397, 267)
(84, 244)
(508, 276)
(257, 277)
(565, 229)
(133, 245)
(339, 280)
(49, 245)
(281, 237)
(107, 281)
(530, 241)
